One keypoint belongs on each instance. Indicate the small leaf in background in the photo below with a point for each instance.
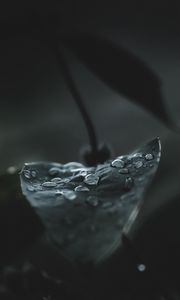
(121, 70)
(84, 209)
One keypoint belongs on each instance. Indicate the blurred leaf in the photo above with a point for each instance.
(116, 66)
(84, 210)
(121, 70)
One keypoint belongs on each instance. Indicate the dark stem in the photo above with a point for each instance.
(78, 99)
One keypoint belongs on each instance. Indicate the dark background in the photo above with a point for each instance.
(40, 121)
(38, 118)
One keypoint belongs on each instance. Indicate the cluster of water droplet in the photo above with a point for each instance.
(62, 181)
(28, 174)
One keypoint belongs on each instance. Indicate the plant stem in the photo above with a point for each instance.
(78, 99)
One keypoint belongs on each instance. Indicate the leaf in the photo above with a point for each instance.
(121, 70)
(84, 209)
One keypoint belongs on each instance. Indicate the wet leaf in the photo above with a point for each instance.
(121, 70)
(84, 209)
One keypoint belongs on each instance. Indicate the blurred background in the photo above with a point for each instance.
(38, 117)
(39, 120)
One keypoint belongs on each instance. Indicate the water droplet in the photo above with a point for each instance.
(11, 170)
(30, 188)
(54, 171)
(124, 171)
(138, 164)
(112, 210)
(49, 184)
(118, 163)
(80, 172)
(107, 204)
(27, 174)
(137, 155)
(83, 173)
(58, 192)
(65, 180)
(73, 165)
(91, 179)
(141, 267)
(92, 201)
(81, 188)
(56, 179)
(69, 195)
(33, 174)
(148, 156)
(128, 183)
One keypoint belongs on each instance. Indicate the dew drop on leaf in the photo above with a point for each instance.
(56, 179)
(81, 188)
(27, 174)
(30, 188)
(117, 163)
(54, 171)
(66, 180)
(73, 166)
(83, 173)
(138, 164)
(33, 174)
(124, 171)
(137, 155)
(49, 184)
(91, 179)
(148, 156)
(58, 192)
(69, 195)
(106, 204)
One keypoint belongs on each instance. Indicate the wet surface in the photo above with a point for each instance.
(85, 209)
